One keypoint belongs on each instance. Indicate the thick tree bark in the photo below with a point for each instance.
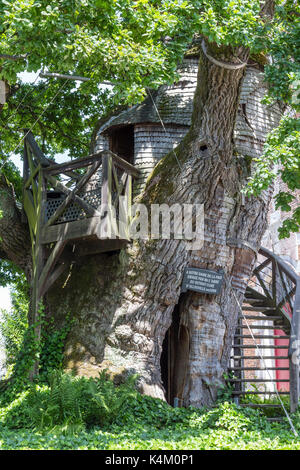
(126, 306)
(14, 233)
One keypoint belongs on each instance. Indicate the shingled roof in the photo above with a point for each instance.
(174, 103)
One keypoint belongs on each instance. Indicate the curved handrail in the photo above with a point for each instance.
(281, 263)
(294, 341)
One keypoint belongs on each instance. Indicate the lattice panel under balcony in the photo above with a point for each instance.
(73, 211)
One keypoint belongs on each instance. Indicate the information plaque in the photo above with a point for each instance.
(202, 280)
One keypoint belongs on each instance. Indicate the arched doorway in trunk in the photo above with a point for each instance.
(174, 357)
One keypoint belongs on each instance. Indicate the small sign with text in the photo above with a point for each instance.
(202, 280)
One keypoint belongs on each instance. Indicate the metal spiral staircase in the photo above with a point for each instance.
(265, 351)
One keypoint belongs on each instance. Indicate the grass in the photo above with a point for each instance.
(271, 436)
(113, 418)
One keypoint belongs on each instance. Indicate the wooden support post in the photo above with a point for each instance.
(128, 193)
(106, 196)
(238, 363)
(106, 180)
(38, 259)
(274, 281)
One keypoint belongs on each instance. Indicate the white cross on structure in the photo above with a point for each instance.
(2, 92)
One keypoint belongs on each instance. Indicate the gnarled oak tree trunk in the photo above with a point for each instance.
(124, 302)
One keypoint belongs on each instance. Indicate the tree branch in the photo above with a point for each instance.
(14, 233)
(13, 57)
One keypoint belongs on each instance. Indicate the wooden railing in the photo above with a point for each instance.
(281, 284)
(277, 289)
(73, 190)
(65, 202)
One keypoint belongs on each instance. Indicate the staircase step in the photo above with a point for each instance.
(262, 327)
(253, 299)
(257, 357)
(255, 368)
(260, 405)
(258, 380)
(250, 304)
(260, 346)
(261, 318)
(255, 392)
(252, 293)
(263, 336)
(258, 308)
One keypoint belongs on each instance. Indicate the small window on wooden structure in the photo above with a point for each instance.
(174, 359)
(121, 142)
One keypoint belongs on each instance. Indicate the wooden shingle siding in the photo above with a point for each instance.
(255, 120)
(151, 144)
(175, 104)
(102, 143)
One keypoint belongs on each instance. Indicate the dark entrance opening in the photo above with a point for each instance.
(174, 358)
(121, 142)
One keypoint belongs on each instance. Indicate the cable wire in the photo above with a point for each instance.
(37, 119)
(162, 123)
(25, 96)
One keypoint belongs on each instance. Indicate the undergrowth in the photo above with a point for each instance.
(71, 412)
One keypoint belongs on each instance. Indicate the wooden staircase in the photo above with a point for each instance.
(265, 350)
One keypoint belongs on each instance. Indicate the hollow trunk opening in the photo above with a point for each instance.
(174, 358)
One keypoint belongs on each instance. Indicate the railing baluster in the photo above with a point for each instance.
(106, 180)
(274, 281)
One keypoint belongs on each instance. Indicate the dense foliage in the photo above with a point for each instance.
(20, 344)
(80, 413)
(282, 150)
(134, 45)
(282, 156)
(13, 324)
